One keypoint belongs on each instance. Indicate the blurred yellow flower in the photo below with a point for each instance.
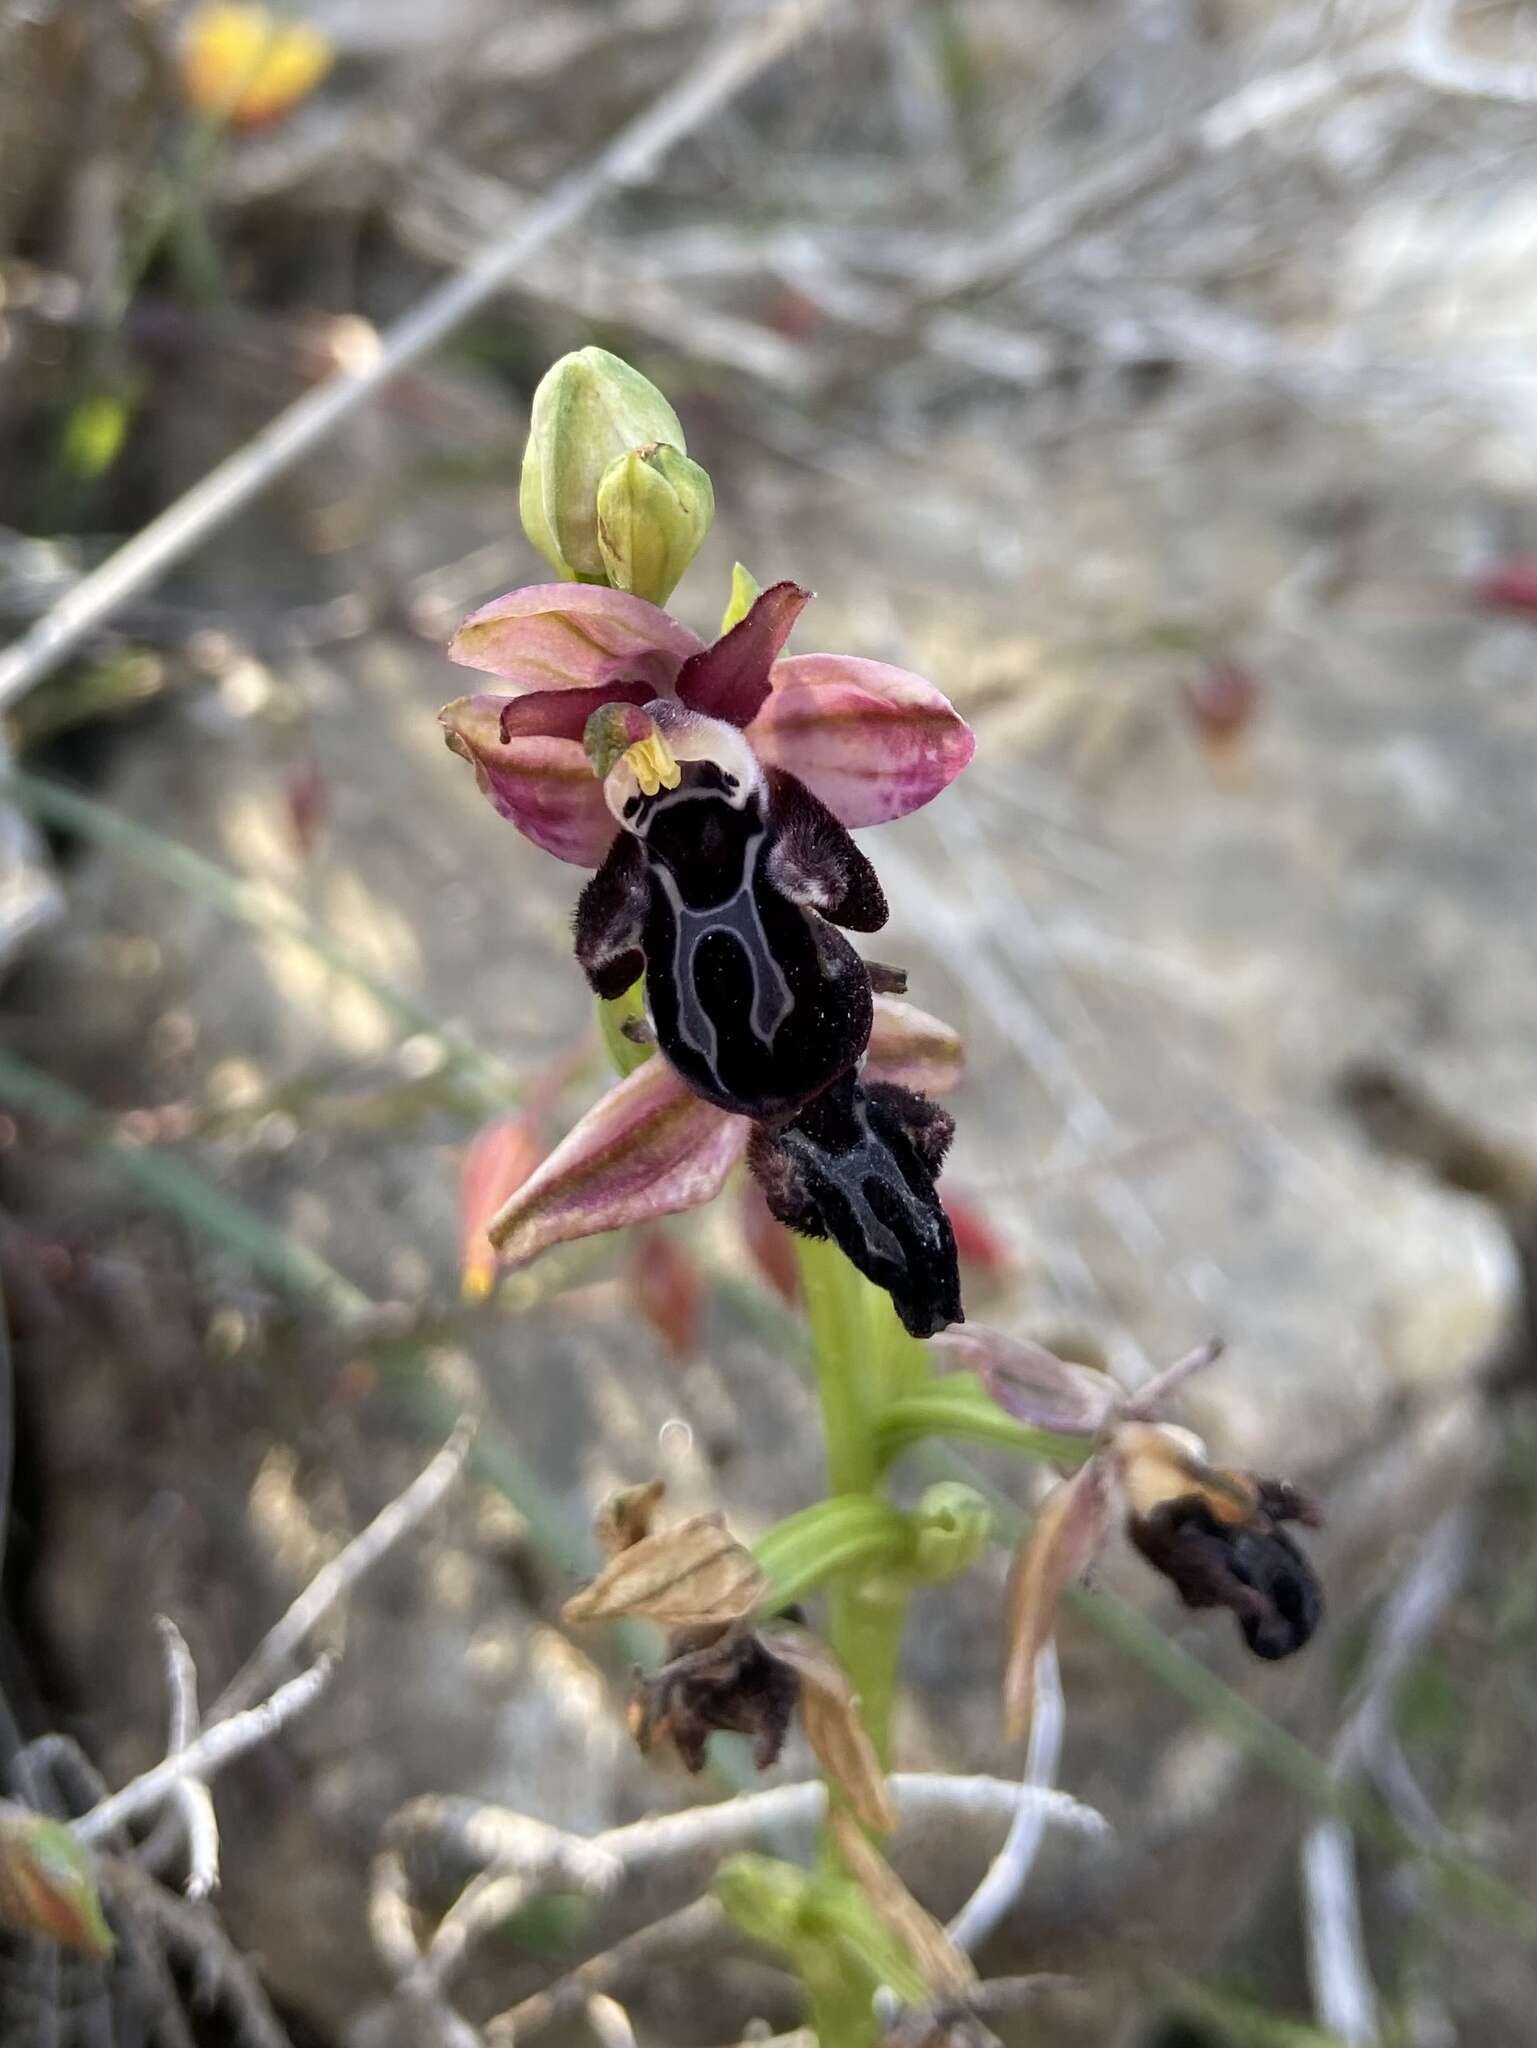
(247, 65)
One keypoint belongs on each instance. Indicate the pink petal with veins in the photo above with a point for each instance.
(545, 786)
(731, 679)
(872, 741)
(573, 636)
(1029, 1382)
(912, 1048)
(647, 1148)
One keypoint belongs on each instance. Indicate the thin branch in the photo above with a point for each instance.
(923, 1799)
(627, 160)
(213, 1749)
(1344, 1996)
(191, 1797)
(1009, 1871)
(335, 1580)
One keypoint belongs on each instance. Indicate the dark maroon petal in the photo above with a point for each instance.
(731, 679)
(563, 714)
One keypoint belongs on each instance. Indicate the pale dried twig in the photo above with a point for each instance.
(190, 1795)
(1344, 1996)
(610, 2023)
(335, 1580)
(213, 1749)
(1009, 1871)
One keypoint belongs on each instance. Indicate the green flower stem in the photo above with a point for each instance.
(864, 1625)
(840, 1347)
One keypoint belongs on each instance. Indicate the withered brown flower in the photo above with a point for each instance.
(723, 1670)
(1215, 1533)
(715, 1678)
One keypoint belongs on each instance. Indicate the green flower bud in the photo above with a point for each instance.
(654, 509)
(951, 1525)
(590, 408)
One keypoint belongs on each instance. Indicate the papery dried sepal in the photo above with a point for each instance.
(946, 1971)
(685, 1577)
(1065, 1538)
(830, 1716)
(625, 1518)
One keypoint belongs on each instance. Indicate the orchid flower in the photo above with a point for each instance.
(870, 741)
(727, 880)
(1215, 1533)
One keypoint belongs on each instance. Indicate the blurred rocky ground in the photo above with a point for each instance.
(1189, 493)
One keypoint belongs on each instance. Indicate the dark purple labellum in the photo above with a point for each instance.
(1256, 1571)
(858, 1165)
(729, 899)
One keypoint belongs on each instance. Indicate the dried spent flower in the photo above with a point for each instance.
(721, 1671)
(1220, 1544)
(715, 1679)
(689, 1576)
(1215, 1533)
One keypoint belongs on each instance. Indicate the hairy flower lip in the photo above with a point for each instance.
(872, 741)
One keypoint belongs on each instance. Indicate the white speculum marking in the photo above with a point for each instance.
(739, 919)
(850, 1172)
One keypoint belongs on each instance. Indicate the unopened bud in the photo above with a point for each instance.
(951, 1525)
(654, 510)
(589, 410)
